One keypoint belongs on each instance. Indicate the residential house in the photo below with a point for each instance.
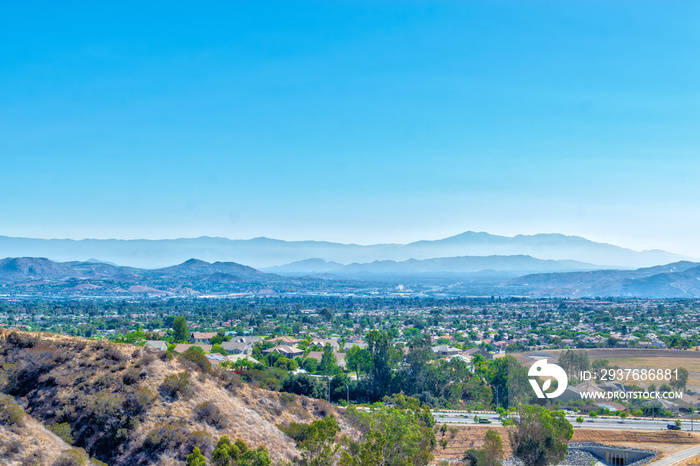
(446, 350)
(612, 406)
(573, 392)
(215, 359)
(182, 347)
(289, 352)
(241, 345)
(472, 351)
(201, 337)
(284, 340)
(233, 347)
(157, 344)
(318, 355)
(238, 357)
(359, 343)
(322, 342)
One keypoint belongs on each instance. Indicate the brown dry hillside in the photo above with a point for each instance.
(125, 405)
(25, 441)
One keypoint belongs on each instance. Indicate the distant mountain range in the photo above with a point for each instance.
(457, 276)
(503, 266)
(676, 280)
(265, 252)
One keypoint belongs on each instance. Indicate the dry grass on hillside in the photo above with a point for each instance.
(113, 397)
(28, 443)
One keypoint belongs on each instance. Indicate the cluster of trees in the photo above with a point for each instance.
(397, 432)
(401, 432)
(385, 369)
(227, 453)
(538, 437)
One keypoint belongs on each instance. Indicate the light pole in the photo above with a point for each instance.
(692, 415)
(347, 403)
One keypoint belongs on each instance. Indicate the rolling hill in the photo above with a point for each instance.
(117, 404)
(675, 280)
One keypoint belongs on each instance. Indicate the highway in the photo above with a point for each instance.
(614, 423)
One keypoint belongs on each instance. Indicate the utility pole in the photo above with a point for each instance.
(329, 389)
(347, 403)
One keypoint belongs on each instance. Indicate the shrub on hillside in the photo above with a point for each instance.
(202, 439)
(295, 431)
(146, 359)
(21, 340)
(177, 385)
(35, 361)
(113, 353)
(72, 457)
(63, 431)
(269, 379)
(165, 437)
(210, 413)
(131, 376)
(139, 400)
(230, 379)
(13, 447)
(10, 413)
(195, 355)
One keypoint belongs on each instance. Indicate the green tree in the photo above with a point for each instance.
(384, 357)
(218, 349)
(540, 436)
(573, 362)
(398, 435)
(510, 377)
(328, 360)
(196, 458)
(225, 453)
(180, 329)
(680, 382)
(318, 446)
(257, 457)
(359, 360)
(579, 419)
(493, 448)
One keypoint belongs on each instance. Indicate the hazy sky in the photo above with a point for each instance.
(352, 121)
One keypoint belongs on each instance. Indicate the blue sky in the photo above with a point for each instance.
(351, 121)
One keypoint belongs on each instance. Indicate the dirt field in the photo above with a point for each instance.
(694, 461)
(635, 358)
(665, 442)
(693, 366)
